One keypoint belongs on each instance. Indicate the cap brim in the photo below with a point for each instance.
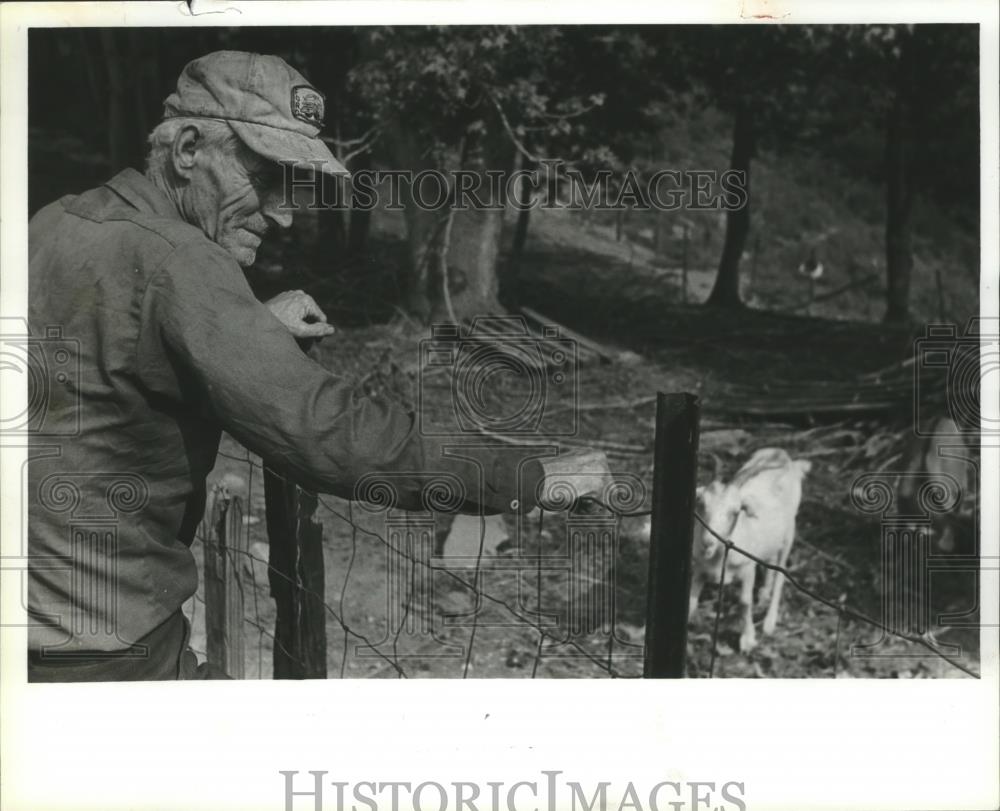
(289, 147)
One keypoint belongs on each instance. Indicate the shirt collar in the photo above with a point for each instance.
(140, 193)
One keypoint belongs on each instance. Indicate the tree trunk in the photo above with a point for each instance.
(899, 197)
(510, 281)
(335, 53)
(521, 232)
(138, 49)
(510, 277)
(118, 130)
(453, 258)
(421, 226)
(472, 264)
(93, 65)
(726, 291)
(360, 220)
(332, 221)
(332, 235)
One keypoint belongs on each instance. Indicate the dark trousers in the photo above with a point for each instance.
(167, 657)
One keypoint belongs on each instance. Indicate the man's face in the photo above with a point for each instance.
(235, 196)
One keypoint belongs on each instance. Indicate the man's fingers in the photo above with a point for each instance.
(312, 309)
(574, 476)
(313, 330)
(300, 314)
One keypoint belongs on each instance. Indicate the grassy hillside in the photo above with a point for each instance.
(799, 200)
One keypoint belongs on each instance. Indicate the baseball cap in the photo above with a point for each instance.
(269, 105)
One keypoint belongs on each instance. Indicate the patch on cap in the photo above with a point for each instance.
(307, 105)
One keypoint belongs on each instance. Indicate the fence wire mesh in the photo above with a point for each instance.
(545, 602)
(398, 604)
(839, 606)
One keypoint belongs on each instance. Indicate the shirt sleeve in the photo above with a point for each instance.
(299, 417)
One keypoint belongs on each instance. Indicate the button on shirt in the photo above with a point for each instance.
(148, 342)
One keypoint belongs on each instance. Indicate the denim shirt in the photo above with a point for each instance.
(147, 343)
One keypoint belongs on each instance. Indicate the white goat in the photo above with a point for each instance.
(756, 511)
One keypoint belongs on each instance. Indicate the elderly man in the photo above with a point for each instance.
(143, 278)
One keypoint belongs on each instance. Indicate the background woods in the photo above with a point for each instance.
(877, 123)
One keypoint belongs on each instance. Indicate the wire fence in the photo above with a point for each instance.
(842, 610)
(511, 596)
(545, 603)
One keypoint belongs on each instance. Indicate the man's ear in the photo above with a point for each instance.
(184, 153)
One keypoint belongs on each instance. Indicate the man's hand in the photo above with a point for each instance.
(572, 476)
(299, 312)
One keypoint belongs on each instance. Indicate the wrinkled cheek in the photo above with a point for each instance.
(238, 208)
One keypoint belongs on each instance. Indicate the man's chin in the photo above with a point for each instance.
(244, 256)
(247, 258)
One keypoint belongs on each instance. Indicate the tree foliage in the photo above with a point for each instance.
(598, 97)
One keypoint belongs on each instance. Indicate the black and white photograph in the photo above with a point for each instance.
(585, 351)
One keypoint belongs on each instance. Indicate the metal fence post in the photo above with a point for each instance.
(675, 471)
(226, 549)
(296, 575)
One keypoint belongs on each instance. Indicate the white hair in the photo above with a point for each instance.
(214, 135)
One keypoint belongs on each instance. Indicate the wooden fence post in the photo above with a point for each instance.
(226, 552)
(675, 472)
(297, 578)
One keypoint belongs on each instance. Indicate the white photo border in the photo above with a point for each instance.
(811, 744)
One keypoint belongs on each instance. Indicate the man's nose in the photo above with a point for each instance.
(278, 210)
